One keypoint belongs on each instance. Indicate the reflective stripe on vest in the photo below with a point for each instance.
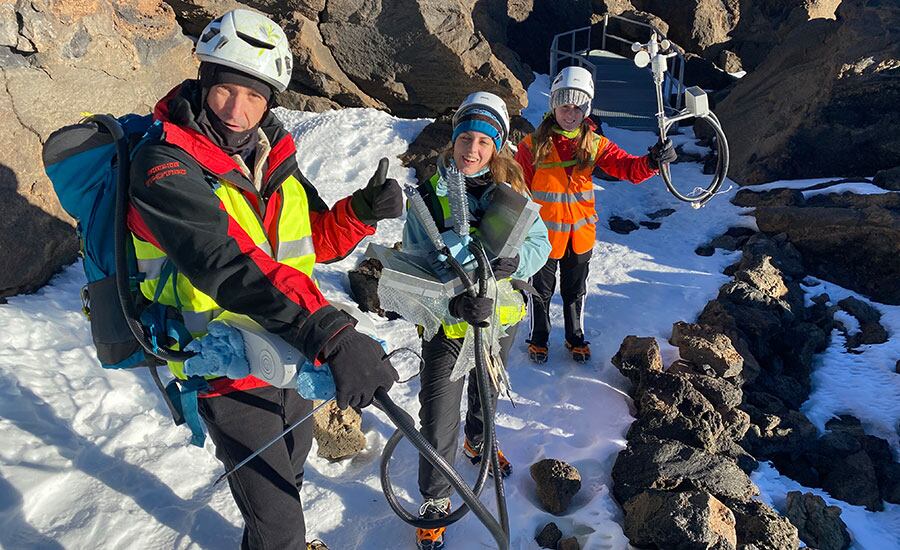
(578, 196)
(567, 200)
(509, 312)
(291, 228)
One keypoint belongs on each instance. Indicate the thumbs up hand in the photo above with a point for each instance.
(381, 199)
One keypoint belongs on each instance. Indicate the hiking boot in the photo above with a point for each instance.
(537, 354)
(316, 545)
(581, 354)
(432, 539)
(474, 454)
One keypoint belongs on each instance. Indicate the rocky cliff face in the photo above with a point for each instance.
(825, 102)
(412, 57)
(58, 59)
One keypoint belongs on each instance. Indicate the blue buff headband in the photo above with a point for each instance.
(480, 120)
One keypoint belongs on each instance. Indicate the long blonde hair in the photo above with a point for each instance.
(542, 141)
(503, 167)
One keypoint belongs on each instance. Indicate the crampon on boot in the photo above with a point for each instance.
(581, 354)
(537, 354)
(474, 454)
(316, 545)
(432, 539)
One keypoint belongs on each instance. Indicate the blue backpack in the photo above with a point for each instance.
(82, 162)
(88, 164)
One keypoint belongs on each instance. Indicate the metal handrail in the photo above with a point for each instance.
(578, 55)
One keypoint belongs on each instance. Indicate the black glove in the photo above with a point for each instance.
(359, 367)
(380, 199)
(504, 267)
(662, 152)
(474, 310)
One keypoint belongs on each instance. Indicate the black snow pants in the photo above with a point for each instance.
(573, 272)
(440, 399)
(267, 489)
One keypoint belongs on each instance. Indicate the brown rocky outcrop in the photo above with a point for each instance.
(759, 527)
(668, 465)
(638, 356)
(557, 482)
(819, 526)
(703, 345)
(689, 519)
(822, 103)
(763, 23)
(59, 59)
(317, 83)
(855, 248)
(338, 432)
(698, 24)
(317, 73)
(413, 57)
(418, 57)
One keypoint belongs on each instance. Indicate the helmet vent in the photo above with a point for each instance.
(222, 42)
(278, 65)
(209, 35)
(256, 42)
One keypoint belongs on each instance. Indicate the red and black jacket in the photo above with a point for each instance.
(173, 207)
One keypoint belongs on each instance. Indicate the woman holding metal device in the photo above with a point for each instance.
(474, 167)
(557, 160)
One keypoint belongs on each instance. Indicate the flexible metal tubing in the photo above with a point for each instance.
(459, 203)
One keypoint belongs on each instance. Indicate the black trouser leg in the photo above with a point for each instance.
(266, 489)
(439, 412)
(439, 400)
(573, 272)
(544, 281)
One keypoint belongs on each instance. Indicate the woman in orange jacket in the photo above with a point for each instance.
(558, 159)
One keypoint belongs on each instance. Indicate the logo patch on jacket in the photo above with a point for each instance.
(164, 170)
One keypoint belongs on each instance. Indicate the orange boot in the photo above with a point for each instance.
(432, 539)
(474, 454)
(581, 354)
(538, 354)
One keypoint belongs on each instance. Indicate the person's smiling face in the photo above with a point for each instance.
(568, 116)
(472, 151)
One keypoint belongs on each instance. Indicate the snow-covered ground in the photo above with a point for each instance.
(90, 458)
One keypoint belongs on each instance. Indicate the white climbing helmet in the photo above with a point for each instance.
(575, 78)
(573, 86)
(249, 42)
(489, 102)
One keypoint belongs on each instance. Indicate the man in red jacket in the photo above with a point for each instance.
(217, 193)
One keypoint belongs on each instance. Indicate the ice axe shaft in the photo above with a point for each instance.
(272, 442)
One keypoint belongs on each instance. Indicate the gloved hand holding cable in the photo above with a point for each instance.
(662, 152)
(475, 310)
(359, 367)
(381, 199)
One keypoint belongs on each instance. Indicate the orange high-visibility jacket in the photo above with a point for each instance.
(566, 192)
